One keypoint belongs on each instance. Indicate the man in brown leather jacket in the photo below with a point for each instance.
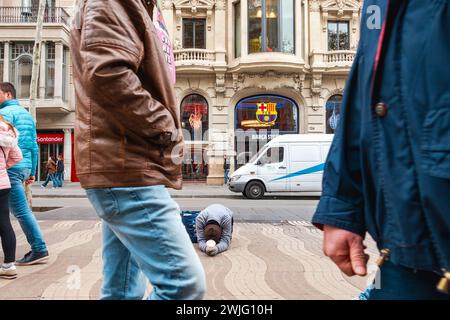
(128, 148)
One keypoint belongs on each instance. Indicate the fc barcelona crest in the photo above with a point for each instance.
(267, 113)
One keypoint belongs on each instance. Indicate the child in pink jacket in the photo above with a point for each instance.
(10, 154)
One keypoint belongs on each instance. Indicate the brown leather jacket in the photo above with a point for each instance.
(127, 129)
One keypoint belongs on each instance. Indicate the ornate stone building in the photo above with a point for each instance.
(234, 58)
(233, 55)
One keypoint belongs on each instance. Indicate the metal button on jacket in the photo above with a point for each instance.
(381, 109)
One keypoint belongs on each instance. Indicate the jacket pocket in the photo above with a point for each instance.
(436, 143)
(165, 130)
(104, 203)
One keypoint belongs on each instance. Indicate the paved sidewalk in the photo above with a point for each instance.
(265, 261)
(190, 190)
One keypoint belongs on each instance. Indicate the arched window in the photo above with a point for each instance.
(267, 112)
(333, 110)
(21, 64)
(194, 117)
(259, 119)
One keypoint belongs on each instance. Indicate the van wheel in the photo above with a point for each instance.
(254, 190)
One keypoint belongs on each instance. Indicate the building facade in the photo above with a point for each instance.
(55, 105)
(247, 70)
(238, 58)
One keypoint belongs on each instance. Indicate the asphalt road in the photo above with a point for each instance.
(267, 210)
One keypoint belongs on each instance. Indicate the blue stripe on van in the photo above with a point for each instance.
(314, 169)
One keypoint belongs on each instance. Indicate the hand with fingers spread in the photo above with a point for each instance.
(346, 249)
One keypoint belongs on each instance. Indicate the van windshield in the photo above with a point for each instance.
(256, 156)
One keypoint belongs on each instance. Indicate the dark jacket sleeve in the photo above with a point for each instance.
(341, 204)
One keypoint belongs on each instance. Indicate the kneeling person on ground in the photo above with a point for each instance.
(214, 226)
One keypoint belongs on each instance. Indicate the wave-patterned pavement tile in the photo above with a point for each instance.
(72, 240)
(216, 268)
(284, 274)
(319, 272)
(246, 279)
(77, 285)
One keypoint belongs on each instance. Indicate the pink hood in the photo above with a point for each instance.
(10, 153)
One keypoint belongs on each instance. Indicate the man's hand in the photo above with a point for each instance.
(30, 180)
(346, 249)
(212, 251)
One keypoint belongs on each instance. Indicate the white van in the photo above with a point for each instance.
(288, 163)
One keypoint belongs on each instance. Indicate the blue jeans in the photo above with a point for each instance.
(400, 283)
(19, 208)
(59, 178)
(51, 176)
(144, 237)
(226, 174)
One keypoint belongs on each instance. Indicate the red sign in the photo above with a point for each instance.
(50, 138)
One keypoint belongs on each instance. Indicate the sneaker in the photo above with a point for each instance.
(9, 272)
(42, 186)
(33, 258)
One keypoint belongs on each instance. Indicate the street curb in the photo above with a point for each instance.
(173, 196)
(235, 197)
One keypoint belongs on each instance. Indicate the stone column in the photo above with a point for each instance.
(244, 29)
(167, 11)
(217, 148)
(6, 62)
(298, 30)
(306, 30)
(220, 33)
(68, 154)
(315, 24)
(42, 71)
(59, 48)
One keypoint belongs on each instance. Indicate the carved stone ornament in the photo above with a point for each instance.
(316, 85)
(238, 80)
(220, 5)
(166, 4)
(220, 83)
(314, 6)
(195, 5)
(299, 80)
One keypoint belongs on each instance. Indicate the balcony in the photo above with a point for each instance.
(192, 60)
(333, 61)
(46, 106)
(19, 23)
(15, 15)
(268, 61)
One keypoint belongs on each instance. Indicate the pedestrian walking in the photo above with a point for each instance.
(214, 227)
(23, 172)
(226, 169)
(59, 175)
(388, 170)
(51, 173)
(129, 148)
(10, 154)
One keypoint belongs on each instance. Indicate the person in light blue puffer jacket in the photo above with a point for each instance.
(23, 172)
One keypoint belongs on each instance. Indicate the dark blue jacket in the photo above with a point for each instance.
(388, 172)
(22, 120)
